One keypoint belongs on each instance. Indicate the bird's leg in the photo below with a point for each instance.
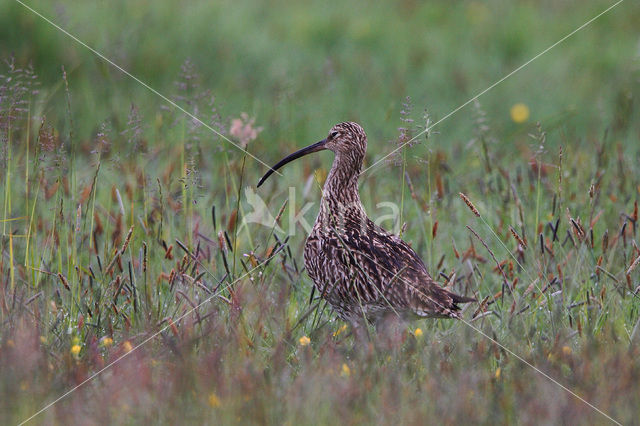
(390, 328)
(360, 332)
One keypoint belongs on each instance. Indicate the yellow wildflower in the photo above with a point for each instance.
(127, 346)
(519, 113)
(566, 350)
(106, 341)
(498, 371)
(346, 371)
(214, 401)
(340, 330)
(418, 333)
(304, 341)
(75, 350)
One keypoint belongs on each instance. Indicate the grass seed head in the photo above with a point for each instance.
(469, 204)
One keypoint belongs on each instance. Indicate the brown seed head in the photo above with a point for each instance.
(517, 237)
(633, 265)
(469, 204)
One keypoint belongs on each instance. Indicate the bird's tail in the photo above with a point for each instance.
(456, 298)
(461, 299)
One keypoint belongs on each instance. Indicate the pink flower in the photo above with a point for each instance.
(243, 129)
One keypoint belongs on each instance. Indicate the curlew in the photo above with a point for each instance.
(361, 270)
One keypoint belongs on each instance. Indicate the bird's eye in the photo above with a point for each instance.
(333, 135)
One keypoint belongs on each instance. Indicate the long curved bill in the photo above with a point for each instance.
(318, 146)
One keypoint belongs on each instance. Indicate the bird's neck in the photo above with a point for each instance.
(340, 190)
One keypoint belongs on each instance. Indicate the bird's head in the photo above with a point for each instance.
(347, 140)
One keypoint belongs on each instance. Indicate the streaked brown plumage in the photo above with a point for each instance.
(363, 271)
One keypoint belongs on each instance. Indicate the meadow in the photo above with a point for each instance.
(145, 279)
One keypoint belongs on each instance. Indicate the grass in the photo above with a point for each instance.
(123, 232)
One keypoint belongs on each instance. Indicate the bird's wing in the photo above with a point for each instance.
(399, 274)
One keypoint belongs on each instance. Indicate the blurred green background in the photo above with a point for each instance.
(301, 67)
